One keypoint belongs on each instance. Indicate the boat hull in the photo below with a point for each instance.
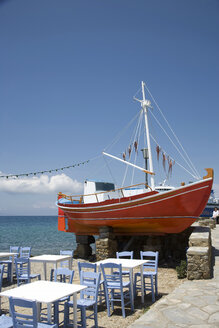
(149, 213)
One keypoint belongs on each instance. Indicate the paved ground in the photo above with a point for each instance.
(192, 304)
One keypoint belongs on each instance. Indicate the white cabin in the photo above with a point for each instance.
(98, 191)
(95, 192)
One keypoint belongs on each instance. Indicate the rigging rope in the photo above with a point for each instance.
(138, 138)
(177, 139)
(110, 170)
(117, 137)
(133, 138)
(194, 171)
(194, 176)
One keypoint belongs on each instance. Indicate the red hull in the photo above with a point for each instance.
(148, 213)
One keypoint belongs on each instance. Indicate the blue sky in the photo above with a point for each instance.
(69, 71)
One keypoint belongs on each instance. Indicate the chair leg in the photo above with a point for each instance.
(83, 317)
(112, 298)
(123, 304)
(156, 289)
(152, 288)
(56, 313)
(107, 303)
(9, 272)
(95, 315)
(144, 285)
(131, 299)
(51, 274)
(135, 286)
(102, 293)
(66, 315)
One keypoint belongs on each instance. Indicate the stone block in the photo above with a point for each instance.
(199, 239)
(199, 263)
(83, 251)
(85, 239)
(197, 251)
(105, 248)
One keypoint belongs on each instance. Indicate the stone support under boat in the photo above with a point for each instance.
(84, 250)
(106, 245)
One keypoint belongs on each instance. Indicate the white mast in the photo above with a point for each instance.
(145, 104)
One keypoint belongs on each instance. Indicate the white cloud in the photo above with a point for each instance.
(41, 185)
(45, 205)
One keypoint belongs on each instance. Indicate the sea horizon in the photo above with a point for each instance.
(40, 232)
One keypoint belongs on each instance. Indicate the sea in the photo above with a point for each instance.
(39, 232)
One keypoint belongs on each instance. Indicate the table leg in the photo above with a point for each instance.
(49, 312)
(70, 264)
(38, 311)
(131, 282)
(44, 267)
(142, 285)
(75, 310)
(12, 267)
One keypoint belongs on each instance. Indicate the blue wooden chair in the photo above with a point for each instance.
(8, 263)
(25, 252)
(23, 271)
(149, 272)
(125, 255)
(1, 275)
(1, 278)
(5, 321)
(65, 263)
(21, 319)
(88, 298)
(116, 289)
(66, 276)
(84, 266)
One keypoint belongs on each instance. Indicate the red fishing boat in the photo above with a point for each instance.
(134, 211)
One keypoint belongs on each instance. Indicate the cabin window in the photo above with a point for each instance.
(103, 186)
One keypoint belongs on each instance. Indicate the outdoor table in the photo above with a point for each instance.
(51, 259)
(129, 264)
(47, 292)
(7, 254)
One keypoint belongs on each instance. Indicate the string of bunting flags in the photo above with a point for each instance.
(42, 172)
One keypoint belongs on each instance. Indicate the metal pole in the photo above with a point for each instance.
(145, 156)
(146, 175)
